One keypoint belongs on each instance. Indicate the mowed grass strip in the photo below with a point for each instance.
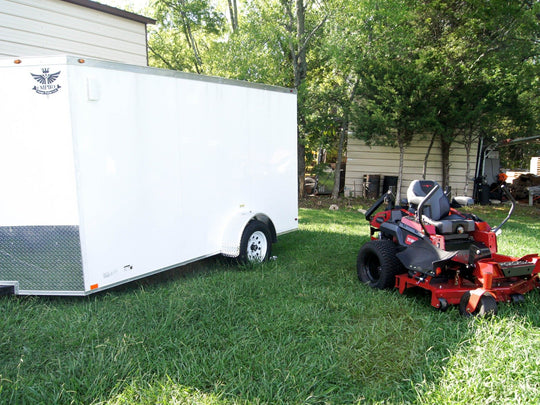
(297, 330)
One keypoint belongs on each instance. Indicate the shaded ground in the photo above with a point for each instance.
(325, 201)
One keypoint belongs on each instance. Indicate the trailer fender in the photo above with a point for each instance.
(232, 235)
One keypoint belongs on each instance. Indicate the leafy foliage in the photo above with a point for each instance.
(185, 30)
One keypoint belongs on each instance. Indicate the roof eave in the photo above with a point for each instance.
(112, 10)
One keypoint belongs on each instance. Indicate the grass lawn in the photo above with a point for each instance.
(297, 330)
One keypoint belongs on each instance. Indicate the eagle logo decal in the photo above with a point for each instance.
(46, 81)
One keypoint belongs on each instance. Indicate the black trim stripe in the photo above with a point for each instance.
(112, 10)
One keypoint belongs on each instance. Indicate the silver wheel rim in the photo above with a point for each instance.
(257, 246)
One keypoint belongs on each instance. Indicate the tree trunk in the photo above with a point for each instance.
(301, 64)
(233, 11)
(301, 167)
(337, 173)
(467, 168)
(467, 142)
(428, 152)
(300, 70)
(445, 152)
(400, 175)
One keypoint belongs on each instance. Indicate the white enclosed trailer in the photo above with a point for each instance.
(109, 172)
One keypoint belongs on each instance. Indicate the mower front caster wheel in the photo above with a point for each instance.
(486, 306)
(443, 305)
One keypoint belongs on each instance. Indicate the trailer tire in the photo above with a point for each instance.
(377, 264)
(255, 244)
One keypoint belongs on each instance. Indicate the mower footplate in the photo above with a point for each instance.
(517, 268)
(423, 256)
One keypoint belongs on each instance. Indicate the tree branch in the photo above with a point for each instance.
(165, 61)
(313, 32)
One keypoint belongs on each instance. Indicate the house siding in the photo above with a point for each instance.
(535, 165)
(365, 160)
(52, 27)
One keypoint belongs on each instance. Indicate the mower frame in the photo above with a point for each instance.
(458, 269)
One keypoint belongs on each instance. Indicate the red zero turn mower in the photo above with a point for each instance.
(452, 254)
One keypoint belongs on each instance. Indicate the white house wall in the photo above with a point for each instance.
(535, 165)
(52, 27)
(384, 161)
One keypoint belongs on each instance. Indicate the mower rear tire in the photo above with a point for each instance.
(377, 264)
(487, 305)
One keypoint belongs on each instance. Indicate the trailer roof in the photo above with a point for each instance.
(112, 10)
(174, 73)
(76, 60)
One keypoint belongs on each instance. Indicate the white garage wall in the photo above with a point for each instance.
(52, 27)
(384, 161)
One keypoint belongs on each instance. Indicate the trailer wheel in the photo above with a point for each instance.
(486, 306)
(256, 244)
(377, 264)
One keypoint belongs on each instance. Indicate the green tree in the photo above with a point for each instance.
(257, 51)
(328, 110)
(184, 30)
(483, 57)
(272, 45)
(380, 45)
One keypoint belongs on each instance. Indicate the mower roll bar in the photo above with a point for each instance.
(513, 201)
(420, 209)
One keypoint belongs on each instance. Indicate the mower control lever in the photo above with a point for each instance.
(386, 197)
(420, 209)
(497, 229)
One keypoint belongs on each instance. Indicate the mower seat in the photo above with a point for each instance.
(437, 209)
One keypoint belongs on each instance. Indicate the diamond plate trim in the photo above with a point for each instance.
(42, 258)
